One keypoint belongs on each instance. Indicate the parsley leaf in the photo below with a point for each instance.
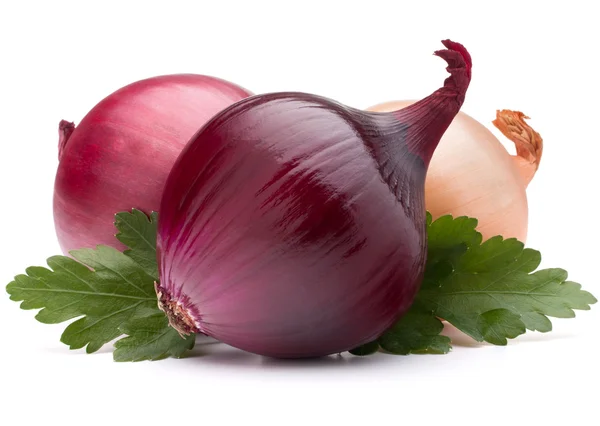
(111, 293)
(366, 349)
(138, 232)
(150, 338)
(498, 274)
(499, 324)
(490, 291)
(417, 332)
(107, 296)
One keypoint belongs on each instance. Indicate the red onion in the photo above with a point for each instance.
(293, 226)
(121, 153)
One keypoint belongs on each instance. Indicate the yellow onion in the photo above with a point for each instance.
(472, 174)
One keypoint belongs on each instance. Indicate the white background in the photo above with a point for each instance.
(58, 59)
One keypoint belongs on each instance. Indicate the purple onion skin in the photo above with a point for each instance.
(292, 226)
(121, 153)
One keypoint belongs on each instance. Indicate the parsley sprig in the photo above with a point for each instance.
(490, 290)
(111, 293)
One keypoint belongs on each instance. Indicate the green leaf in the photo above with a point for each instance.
(366, 349)
(138, 232)
(417, 332)
(106, 288)
(537, 322)
(151, 338)
(499, 324)
(490, 291)
(111, 293)
(476, 285)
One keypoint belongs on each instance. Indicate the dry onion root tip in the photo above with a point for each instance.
(180, 318)
(528, 142)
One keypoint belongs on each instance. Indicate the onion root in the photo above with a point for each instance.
(528, 142)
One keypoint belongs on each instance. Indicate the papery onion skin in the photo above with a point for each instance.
(472, 174)
(120, 155)
(293, 226)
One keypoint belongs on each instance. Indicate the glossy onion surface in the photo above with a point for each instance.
(121, 153)
(293, 226)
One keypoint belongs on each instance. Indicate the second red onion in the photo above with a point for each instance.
(120, 155)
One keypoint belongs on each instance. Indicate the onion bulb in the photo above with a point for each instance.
(293, 226)
(121, 153)
(472, 174)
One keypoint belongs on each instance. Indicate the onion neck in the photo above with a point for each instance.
(402, 142)
(528, 142)
(427, 120)
(65, 130)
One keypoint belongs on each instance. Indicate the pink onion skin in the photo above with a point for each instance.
(120, 155)
(292, 226)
